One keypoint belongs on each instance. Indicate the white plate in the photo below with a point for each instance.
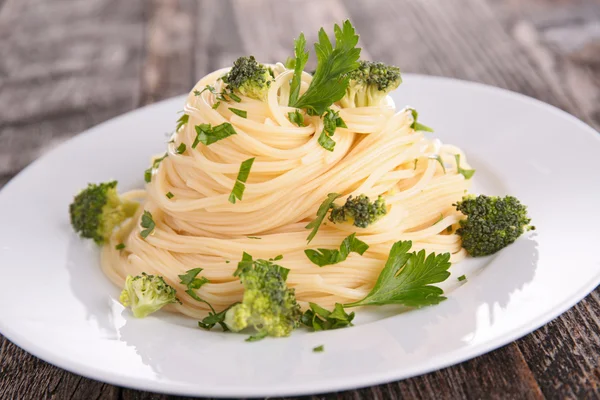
(56, 304)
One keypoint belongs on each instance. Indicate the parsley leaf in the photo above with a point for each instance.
(180, 149)
(467, 173)
(320, 319)
(242, 177)
(182, 121)
(192, 282)
(406, 278)
(416, 125)
(169, 195)
(208, 135)
(321, 213)
(214, 318)
(120, 246)
(319, 349)
(190, 279)
(297, 118)
(241, 113)
(155, 163)
(257, 337)
(148, 223)
(462, 278)
(330, 80)
(301, 57)
(331, 121)
(438, 159)
(322, 257)
(290, 62)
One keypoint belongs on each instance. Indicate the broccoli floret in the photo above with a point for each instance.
(359, 210)
(268, 305)
(146, 294)
(370, 83)
(492, 223)
(97, 210)
(249, 78)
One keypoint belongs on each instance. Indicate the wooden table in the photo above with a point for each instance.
(68, 65)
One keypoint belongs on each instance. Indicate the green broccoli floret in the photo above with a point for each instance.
(97, 210)
(268, 305)
(370, 83)
(492, 223)
(249, 78)
(359, 210)
(146, 294)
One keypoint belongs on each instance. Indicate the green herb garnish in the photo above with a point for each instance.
(240, 183)
(182, 121)
(241, 113)
(170, 195)
(180, 149)
(296, 117)
(467, 173)
(120, 246)
(416, 125)
(147, 223)
(301, 57)
(438, 159)
(462, 278)
(331, 79)
(319, 349)
(155, 164)
(331, 121)
(208, 135)
(322, 257)
(320, 319)
(321, 213)
(407, 277)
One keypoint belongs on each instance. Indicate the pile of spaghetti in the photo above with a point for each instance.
(318, 173)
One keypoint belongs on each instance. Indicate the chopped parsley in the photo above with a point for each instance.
(241, 113)
(438, 159)
(208, 135)
(320, 319)
(120, 246)
(182, 121)
(467, 173)
(180, 149)
(321, 213)
(416, 125)
(155, 164)
(240, 184)
(319, 349)
(462, 278)
(323, 257)
(296, 117)
(147, 223)
(170, 195)
(331, 121)
(253, 237)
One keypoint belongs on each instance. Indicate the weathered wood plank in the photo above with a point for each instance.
(168, 65)
(65, 66)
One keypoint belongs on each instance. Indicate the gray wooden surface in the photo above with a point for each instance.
(68, 65)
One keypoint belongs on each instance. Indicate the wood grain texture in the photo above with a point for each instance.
(67, 65)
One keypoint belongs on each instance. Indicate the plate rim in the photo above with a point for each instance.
(320, 386)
